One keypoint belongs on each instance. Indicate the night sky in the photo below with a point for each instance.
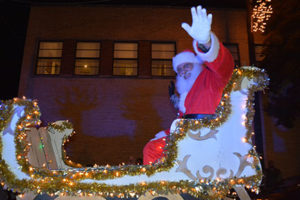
(13, 19)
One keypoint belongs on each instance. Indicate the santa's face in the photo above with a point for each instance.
(187, 73)
(184, 70)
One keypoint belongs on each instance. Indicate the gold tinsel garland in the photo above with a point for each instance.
(66, 182)
(62, 127)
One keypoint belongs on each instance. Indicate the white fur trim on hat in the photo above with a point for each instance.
(184, 57)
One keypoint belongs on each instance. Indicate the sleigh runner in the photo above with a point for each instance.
(205, 158)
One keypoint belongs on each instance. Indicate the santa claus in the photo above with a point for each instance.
(200, 79)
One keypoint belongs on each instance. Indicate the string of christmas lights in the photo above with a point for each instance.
(261, 13)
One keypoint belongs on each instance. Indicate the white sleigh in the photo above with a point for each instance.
(205, 158)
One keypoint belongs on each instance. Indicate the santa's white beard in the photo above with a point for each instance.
(184, 85)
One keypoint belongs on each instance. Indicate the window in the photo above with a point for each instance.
(162, 54)
(125, 59)
(234, 50)
(259, 55)
(49, 58)
(87, 58)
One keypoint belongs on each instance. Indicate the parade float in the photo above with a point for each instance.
(203, 158)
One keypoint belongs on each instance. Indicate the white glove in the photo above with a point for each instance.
(200, 29)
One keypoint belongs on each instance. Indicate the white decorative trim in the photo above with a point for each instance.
(9, 146)
(181, 102)
(212, 53)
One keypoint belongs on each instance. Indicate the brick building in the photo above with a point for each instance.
(107, 70)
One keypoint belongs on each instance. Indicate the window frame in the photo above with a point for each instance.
(92, 58)
(37, 57)
(238, 64)
(137, 58)
(257, 62)
(175, 53)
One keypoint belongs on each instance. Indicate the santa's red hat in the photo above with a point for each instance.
(187, 56)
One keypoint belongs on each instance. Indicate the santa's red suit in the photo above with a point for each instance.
(205, 94)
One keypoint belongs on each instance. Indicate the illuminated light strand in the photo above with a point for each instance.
(261, 13)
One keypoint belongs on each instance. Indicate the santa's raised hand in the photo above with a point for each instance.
(201, 25)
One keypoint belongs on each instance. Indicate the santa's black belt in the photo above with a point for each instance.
(198, 116)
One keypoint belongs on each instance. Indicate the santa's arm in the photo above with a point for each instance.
(207, 53)
(217, 58)
(207, 46)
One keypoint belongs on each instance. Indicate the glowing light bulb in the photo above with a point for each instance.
(244, 139)
(143, 183)
(143, 169)
(240, 72)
